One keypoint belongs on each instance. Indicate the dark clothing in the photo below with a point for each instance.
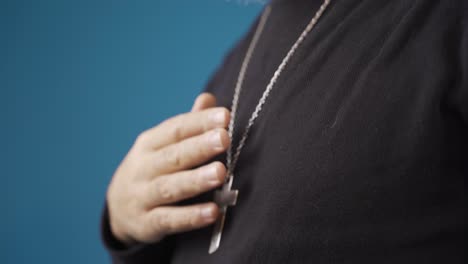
(360, 154)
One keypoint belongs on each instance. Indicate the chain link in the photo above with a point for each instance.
(232, 159)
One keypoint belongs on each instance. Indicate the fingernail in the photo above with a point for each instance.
(207, 212)
(219, 117)
(211, 175)
(215, 140)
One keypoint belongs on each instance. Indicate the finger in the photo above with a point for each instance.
(184, 126)
(204, 101)
(167, 220)
(189, 152)
(182, 185)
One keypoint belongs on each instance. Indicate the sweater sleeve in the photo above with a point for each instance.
(155, 253)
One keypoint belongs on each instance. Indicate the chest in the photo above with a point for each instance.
(353, 137)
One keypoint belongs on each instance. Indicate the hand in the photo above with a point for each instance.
(156, 173)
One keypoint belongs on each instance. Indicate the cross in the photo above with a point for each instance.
(224, 198)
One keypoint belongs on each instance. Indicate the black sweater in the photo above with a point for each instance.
(360, 154)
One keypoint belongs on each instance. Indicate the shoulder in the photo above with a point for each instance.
(229, 66)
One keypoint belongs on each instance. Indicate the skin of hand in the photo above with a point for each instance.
(162, 168)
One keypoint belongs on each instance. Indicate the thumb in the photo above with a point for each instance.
(203, 101)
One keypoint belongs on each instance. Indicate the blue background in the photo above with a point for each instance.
(79, 80)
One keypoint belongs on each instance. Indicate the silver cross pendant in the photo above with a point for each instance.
(224, 198)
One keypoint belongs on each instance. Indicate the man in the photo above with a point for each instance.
(358, 155)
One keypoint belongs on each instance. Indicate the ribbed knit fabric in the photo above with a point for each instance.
(360, 154)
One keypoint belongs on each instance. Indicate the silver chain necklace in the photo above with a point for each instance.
(227, 197)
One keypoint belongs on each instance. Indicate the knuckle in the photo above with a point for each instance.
(177, 131)
(172, 157)
(155, 222)
(194, 219)
(171, 227)
(146, 166)
(172, 119)
(176, 160)
(165, 193)
(202, 148)
(197, 185)
(164, 223)
(142, 138)
(189, 220)
(185, 187)
(141, 232)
